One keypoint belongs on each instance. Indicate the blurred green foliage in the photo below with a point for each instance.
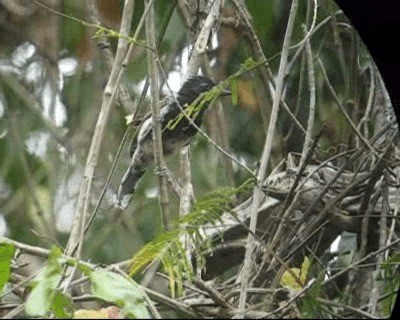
(113, 238)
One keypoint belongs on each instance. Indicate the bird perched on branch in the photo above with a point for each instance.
(177, 132)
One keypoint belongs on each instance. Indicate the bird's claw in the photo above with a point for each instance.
(161, 171)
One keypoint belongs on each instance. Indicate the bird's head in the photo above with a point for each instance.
(193, 87)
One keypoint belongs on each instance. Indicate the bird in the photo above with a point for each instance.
(174, 137)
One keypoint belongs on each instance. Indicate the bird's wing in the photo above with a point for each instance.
(146, 125)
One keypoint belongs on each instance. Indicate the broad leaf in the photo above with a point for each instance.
(40, 300)
(121, 291)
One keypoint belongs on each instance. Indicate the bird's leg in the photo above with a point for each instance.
(162, 171)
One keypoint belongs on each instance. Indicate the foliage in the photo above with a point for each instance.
(6, 254)
(54, 65)
(391, 282)
(310, 307)
(121, 291)
(46, 296)
(296, 278)
(169, 247)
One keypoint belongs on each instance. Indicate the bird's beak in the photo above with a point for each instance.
(226, 92)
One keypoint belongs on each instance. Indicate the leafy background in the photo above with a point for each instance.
(54, 175)
(44, 145)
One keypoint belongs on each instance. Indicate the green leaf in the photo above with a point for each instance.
(84, 269)
(152, 250)
(6, 254)
(41, 298)
(393, 262)
(310, 307)
(121, 291)
(62, 306)
(391, 281)
(288, 280)
(168, 247)
(234, 92)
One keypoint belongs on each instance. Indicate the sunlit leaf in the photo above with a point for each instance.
(6, 254)
(288, 280)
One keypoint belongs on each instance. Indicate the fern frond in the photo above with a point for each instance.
(168, 247)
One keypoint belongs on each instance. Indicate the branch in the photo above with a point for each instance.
(159, 162)
(311, 114)
(266, 73)
(342, 109)
(109, 96)
(126, 101)
(199, 49)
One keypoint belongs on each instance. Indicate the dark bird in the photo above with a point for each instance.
(173, 137)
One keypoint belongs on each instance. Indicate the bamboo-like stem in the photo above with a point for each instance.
(109, 96)
(126, 101)
(75, 241)
(159, 162)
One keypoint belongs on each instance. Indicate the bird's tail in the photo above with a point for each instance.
(128, 186)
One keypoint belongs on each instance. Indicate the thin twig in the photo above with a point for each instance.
(186, 197)
(311, 112)
(207, 137)
(109, 96)
(363, 124)
(309, 31)
(314, 31)
(40, 252)
(245, 274)
(356, 311)
(125, 100)
(339, 45)
(38, 215)
(376, 173)
(200, 45)
(213, 294)
(33, 105)
(360, 261)
(75, 241)
(290, 200)
(199, 49)
(266, 72)
(36, 251)
(342, 109)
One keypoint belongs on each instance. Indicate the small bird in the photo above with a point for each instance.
(173, 137)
